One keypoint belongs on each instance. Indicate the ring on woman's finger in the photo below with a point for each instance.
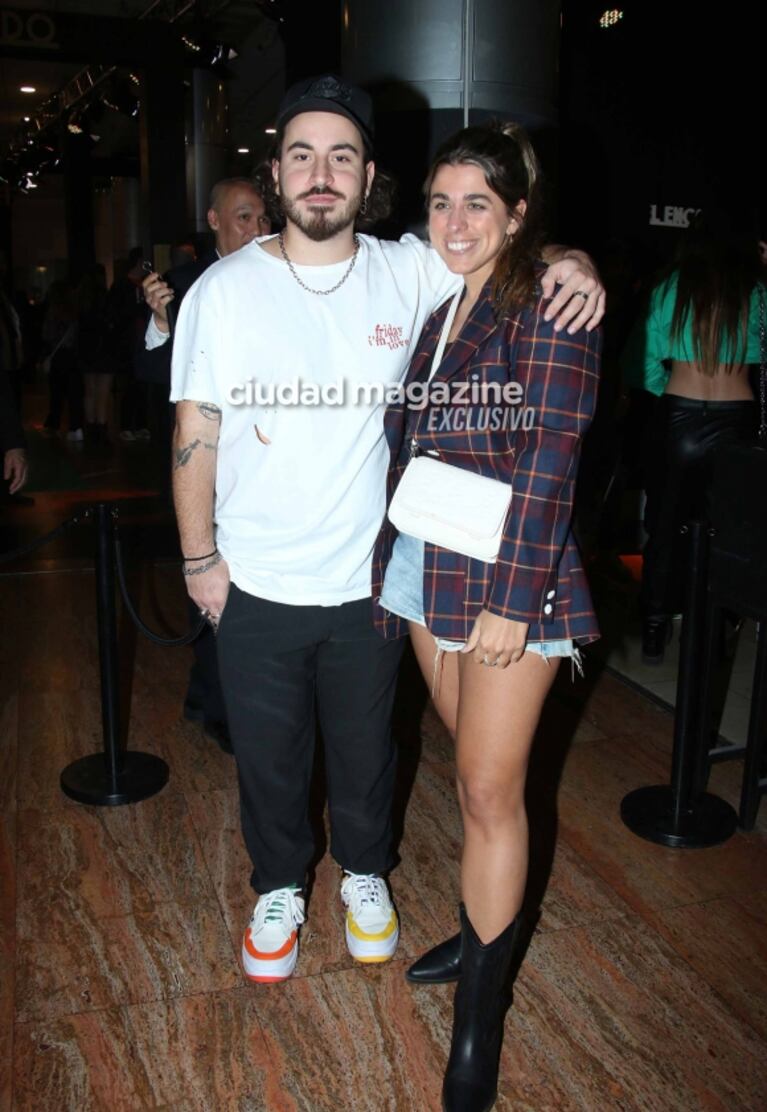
(582, 293)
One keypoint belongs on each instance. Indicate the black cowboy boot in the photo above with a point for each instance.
(479, 1009)
(439, 965)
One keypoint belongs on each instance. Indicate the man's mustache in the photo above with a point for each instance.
(319, 191)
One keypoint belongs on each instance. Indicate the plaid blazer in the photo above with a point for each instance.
(538, 577)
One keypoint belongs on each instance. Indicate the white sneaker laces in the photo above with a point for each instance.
(362, 892)
(279, 906)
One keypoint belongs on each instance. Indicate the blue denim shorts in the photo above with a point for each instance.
(402, 594)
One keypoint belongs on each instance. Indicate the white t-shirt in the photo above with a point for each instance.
(300, 489)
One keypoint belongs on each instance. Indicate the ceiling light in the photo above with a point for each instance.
(243, 150)
(27, 119)
(610, 18)
(27, 89)
(270, 130)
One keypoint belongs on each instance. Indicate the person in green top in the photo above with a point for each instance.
(693, 349)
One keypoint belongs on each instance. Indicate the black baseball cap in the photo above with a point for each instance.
(329, 93)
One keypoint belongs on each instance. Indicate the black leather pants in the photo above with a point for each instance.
(682, 448)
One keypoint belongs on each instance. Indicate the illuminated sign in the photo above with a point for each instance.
(674, 216)
(610, 18)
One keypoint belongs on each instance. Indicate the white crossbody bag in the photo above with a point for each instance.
(446, 505)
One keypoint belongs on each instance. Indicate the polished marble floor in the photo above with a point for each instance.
(644, 986)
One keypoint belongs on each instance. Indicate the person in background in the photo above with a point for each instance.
(65, 378)
(12, 347)
(127, 321)
(92, 339)
(693, 349)
(182, 252)
(236, 215)
(13, 455)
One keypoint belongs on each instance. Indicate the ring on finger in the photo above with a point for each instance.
(583, 294)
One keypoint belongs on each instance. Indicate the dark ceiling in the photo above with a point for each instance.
(255, 79)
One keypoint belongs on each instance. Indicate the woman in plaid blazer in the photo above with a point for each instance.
(489, 637)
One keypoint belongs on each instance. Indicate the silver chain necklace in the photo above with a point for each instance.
(303, 284)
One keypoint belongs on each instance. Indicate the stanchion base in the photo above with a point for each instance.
(649, 813)
(88, 781)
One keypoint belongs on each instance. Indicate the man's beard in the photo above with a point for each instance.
(318, 224)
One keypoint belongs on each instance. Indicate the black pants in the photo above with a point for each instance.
(66, 385)
(280, 666)
(686, 436)
(134, 404)
(204, 691)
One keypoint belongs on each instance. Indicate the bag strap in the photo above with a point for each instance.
(762, 367)
(444, 335)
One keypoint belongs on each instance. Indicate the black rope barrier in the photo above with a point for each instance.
(168, 642)
(26, 549)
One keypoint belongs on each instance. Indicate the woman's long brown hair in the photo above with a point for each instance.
(717, 268)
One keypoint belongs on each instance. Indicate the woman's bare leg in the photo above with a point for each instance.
(494, 714)
(498, 713)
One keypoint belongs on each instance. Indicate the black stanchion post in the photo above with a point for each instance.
(106, 620)
(678, 815)
(115, 776)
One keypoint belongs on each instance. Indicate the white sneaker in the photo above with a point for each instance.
(372, 927)
(270, 945)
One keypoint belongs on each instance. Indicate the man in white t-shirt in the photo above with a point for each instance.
(297, 494)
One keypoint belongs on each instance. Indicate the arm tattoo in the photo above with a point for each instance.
(183, 455)
(187, 571)
(212, 412)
